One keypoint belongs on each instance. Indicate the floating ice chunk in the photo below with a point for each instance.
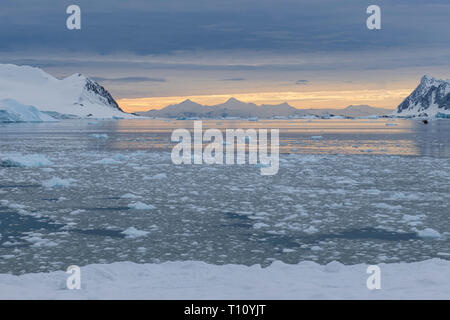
(260, 225)
(159, 176)
(37, 241)
(132, 232)
(311, 230)
(316, 138)
(18, 160)
(141, 206)
(56, 182)
(428, 233)
(130, 196)
(288, 250)
(16, 206)
(107, 161)
(77, 212)
(386, 206)
(100, 135)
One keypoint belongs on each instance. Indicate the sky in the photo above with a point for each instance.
(311, 54)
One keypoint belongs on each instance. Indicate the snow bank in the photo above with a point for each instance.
(198, 280)
(19, 160)
(13, 111)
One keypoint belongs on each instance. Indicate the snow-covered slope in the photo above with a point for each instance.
(13, 111)
(431, 97)
(74, 95)
(198, 280)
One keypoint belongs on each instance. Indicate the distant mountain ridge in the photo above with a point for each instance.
(235, 108)
(431, 98)
(75, 95)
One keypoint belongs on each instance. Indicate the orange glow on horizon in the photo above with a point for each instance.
(302, 100)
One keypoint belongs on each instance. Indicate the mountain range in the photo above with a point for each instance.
(235, 108)
(30, 93)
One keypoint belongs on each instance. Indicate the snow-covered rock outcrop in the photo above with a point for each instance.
(75, 95)
(13, 111)
(431, 98)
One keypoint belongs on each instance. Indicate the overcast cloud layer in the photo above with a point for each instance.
(178, 47)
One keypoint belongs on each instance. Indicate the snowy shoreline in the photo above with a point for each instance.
(428, 279)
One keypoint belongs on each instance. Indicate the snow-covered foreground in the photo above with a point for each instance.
(197, 280)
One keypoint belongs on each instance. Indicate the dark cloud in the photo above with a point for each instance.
(302, 82)
(167, 26)
(233, 79)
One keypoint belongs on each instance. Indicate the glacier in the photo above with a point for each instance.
(13, 111)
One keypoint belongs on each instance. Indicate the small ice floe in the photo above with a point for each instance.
(130, 196)
(78, 211)
(56, 182)
(18, 160)
(412, 220)
(132, 233)
(141, 206)
(316, 138)
(428, 233)
(37, 241)
(100, 135)
(311, 230)
(288, 250)
(107, 161)
(260, 225)
(159, 176)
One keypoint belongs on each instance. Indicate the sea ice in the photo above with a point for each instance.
(429, 233)
(56, 182)
(141, 206)
(132, 232)
(30, 160)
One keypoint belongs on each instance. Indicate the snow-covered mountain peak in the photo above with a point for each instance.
(430, 98)
(75, 95)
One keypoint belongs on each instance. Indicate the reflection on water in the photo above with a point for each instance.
(354, 209)
(361, 136)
